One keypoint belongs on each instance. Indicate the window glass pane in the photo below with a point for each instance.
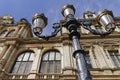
(115, 57)
(17, 64)
(57, 66)
(45, 57)
(52, 55)
(57, 56)
(26, 56)
(43, 67)
(50, 67)
(87, 58)
(28, 67)
(31, 57)
(115, 60)
(51, 62)
(23, 63)
(20, 57)
(22, 68)
(119, 58)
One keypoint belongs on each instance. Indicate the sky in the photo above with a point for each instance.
(52, 9)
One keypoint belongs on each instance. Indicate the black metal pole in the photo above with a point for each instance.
(83, 72)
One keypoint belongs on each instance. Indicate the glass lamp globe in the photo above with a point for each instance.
(105, 18)
(39, 20)
(68, 10)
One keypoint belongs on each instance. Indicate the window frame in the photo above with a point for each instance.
(115, 54)
(47, 61)
(22, 61)
(88, 60)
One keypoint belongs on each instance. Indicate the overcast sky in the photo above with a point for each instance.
(52, 8)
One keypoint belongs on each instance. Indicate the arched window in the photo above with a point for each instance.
(2, 34)
(10, 34)
(51, 62)
(23, 63)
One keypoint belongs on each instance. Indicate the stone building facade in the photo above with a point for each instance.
(23, 56)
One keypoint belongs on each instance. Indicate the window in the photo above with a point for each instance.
(2, 34)
(115, 57)
(10, 34)
(88, 61)
(51, 62)
(23, 63)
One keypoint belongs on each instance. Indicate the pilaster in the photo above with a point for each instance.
(11, 58)
(99, 55)
(93, 58)
(6, 56)
(35, 65)
(67, 58)
(5, 47)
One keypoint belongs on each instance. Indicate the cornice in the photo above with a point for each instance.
(86, 40)
(12, 40)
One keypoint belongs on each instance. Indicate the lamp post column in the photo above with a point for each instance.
(72, 24)
(83, 72)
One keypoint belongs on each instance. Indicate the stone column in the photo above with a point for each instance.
(12, 58)
(35, 65)
(5, 47)
(6, 56)
(67, 58)
(93, 58)
(100, 57)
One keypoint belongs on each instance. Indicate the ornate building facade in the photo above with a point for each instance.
(23, 56)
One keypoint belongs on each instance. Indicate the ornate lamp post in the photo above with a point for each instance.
(105, 18)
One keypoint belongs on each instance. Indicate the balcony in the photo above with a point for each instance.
(15, 76)
(49, 76)
(39, 76)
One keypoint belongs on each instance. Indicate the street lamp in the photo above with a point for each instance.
(39, 21)
(104, 18)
